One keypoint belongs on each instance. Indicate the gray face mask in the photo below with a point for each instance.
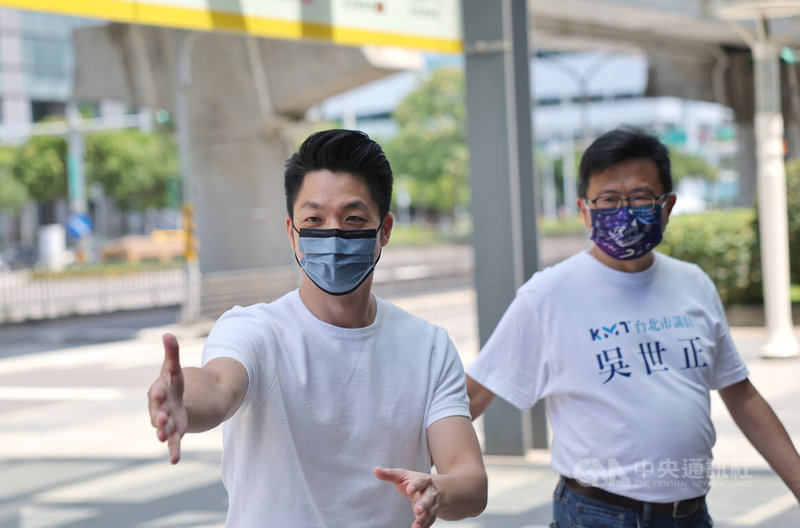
(337, 260)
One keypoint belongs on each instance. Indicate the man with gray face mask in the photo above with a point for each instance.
(329, 390)
(624, 344)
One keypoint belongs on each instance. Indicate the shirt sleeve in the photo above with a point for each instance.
(238, 334)
(512, 363)
(728, 365)
(450, 390)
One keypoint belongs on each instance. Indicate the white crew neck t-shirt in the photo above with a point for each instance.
(324, 406)
(625, 362)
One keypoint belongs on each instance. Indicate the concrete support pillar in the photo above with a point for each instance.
(238, 154)
(500, 140)
(746, 162)
(773, 220)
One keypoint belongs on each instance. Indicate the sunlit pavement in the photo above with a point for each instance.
(77, 450)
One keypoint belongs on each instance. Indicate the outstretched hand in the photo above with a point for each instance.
(419, 488)
(165, 400)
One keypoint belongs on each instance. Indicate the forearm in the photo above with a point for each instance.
(764, 430)
(208, 402)
(479, 397)
(463, 491)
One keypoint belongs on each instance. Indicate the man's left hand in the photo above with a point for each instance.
(419, 488)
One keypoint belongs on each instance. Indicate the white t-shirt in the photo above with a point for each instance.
(625, 362)
(324, 406)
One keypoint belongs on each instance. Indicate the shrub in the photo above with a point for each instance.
(725, 245)
(793, 206)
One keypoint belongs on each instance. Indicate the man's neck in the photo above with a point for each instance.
(630, 266)
(354, 310)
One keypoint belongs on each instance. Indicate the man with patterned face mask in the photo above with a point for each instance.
(624, 344)
(329, 390)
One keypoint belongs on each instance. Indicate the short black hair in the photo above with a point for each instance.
(340, 150)
(623, 144)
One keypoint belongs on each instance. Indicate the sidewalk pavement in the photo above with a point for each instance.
(76, 448)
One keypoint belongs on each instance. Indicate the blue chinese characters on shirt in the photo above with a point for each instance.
(666, 343)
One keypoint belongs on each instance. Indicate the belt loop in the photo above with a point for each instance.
(560, 488)
(646, 514)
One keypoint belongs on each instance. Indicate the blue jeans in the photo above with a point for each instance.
(572, 510)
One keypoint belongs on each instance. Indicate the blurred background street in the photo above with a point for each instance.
(142, 147)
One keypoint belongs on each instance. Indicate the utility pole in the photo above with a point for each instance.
(184, 46)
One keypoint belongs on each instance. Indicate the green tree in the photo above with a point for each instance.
(40, 165)
(686, 165)
(429, 151)
(134, 168)
(13, 194)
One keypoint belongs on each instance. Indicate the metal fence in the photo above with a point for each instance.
(30, 295)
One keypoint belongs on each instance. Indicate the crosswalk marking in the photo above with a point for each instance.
(196, 519)
(59, 393)
(137, 485)
(758, 515)
(23, 478)
(47, 517)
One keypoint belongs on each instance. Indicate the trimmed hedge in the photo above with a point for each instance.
(793, 206)
(725, 245)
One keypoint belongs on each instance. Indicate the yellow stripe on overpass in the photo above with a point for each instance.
(418, 24)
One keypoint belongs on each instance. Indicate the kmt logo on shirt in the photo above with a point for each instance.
(604, 332)
(649, 325)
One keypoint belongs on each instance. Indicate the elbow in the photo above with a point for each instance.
(483, 497)
(469, 501)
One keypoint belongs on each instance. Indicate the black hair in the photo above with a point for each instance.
(340, 150)
(623, 144)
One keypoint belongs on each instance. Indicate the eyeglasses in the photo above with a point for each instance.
(643, 203)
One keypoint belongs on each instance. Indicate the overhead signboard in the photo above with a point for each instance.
(433, 25)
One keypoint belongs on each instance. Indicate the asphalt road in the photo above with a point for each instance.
(77, 451)
(53, 334)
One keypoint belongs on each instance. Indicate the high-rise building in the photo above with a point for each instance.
(36, 64)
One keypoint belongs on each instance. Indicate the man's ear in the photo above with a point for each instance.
(386, 229)
(667, 210)
(583, 209)
(670, 203)
(290, 232)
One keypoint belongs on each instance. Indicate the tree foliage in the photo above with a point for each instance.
(13, 194)
(40, 165)
(134, 168)
(686, 165)
(429, 152)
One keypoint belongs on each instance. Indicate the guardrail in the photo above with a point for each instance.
(28, 295)
(25, 295)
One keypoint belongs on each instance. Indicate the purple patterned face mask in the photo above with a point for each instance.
(628, 233)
